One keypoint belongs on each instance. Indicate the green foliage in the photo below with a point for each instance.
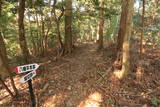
(158, 11)
(155, 101)
(151, 22)
(95, 3)
(30, 3)
(12, 1)
(39, 3)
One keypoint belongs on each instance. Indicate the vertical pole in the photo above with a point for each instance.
(142, 32)
(32, 96)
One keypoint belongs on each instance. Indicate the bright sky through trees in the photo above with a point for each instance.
(136, 5)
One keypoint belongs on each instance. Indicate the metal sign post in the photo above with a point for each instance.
(31, 68)
(31, 93)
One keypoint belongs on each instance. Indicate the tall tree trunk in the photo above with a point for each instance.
(43, 51)
(31, 34)
(22, 39)
(59, 36)
(68, 28)
(38, 31)
(122, 28)
(101, 25)
(127, 5)
(142, 26)
(57, 22)
(4, 58)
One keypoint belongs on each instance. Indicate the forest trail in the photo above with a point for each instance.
(34, 31)
(69, 81)
(75, 78)
(85, 78)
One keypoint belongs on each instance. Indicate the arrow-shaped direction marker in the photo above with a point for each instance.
(26, 68)
(28, 76)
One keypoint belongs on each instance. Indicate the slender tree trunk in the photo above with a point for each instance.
(31, 34)
(8, 90)
(22, 39)
(42, 33)
(142, 26)
(68, 28)
(101, 25)
(129, 4)
(43, 36)
(38, 32)
(57, 22)
(59, 36)
(46, 36)
(122, 28)
(45, 44)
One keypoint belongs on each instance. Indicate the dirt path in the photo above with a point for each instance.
(75, 78)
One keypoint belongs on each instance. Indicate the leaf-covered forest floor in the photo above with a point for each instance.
(87, 78)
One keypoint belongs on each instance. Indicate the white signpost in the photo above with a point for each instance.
(31, 68)
(26, 68)
(28, 76)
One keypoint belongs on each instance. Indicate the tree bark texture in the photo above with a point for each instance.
(101, 25)
(122, 28)
(68, 26)
(22, 39)
(128, 5)
(142, 26)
